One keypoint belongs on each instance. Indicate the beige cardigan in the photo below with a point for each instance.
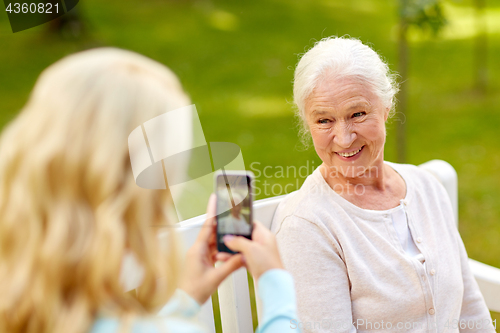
(351, 273)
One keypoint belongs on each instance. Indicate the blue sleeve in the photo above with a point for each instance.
(276, 290)
(179, 315)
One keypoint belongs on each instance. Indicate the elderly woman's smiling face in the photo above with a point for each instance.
(347, 124)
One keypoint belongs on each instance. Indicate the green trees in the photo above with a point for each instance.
(480, 48)
(424, 14)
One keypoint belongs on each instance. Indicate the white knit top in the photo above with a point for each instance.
(400, 223)
(355, 269)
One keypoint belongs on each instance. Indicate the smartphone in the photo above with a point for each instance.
(234, 205)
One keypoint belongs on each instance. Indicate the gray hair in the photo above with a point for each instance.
(342, 57)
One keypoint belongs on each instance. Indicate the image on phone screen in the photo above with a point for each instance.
(234, 202)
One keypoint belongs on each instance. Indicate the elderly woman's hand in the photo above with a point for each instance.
(261, 253)
(201, 278)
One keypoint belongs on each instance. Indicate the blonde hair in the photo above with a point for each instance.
(69, 207)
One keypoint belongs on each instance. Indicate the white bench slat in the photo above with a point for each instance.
(447, 176)
(488, 279)
(234, 302)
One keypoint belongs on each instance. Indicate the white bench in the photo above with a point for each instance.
(234, 293)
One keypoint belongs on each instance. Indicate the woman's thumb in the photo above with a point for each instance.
(224, 269)
(236, 243)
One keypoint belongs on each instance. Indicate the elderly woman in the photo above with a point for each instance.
(372, 245)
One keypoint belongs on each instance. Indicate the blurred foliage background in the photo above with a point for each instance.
(236, 60)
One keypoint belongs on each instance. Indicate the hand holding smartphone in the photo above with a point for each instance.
(234, 205)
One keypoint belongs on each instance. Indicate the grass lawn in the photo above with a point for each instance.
(236, 59)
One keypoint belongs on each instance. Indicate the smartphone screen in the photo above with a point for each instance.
(234, 206)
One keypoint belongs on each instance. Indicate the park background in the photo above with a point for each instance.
(236, 60)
